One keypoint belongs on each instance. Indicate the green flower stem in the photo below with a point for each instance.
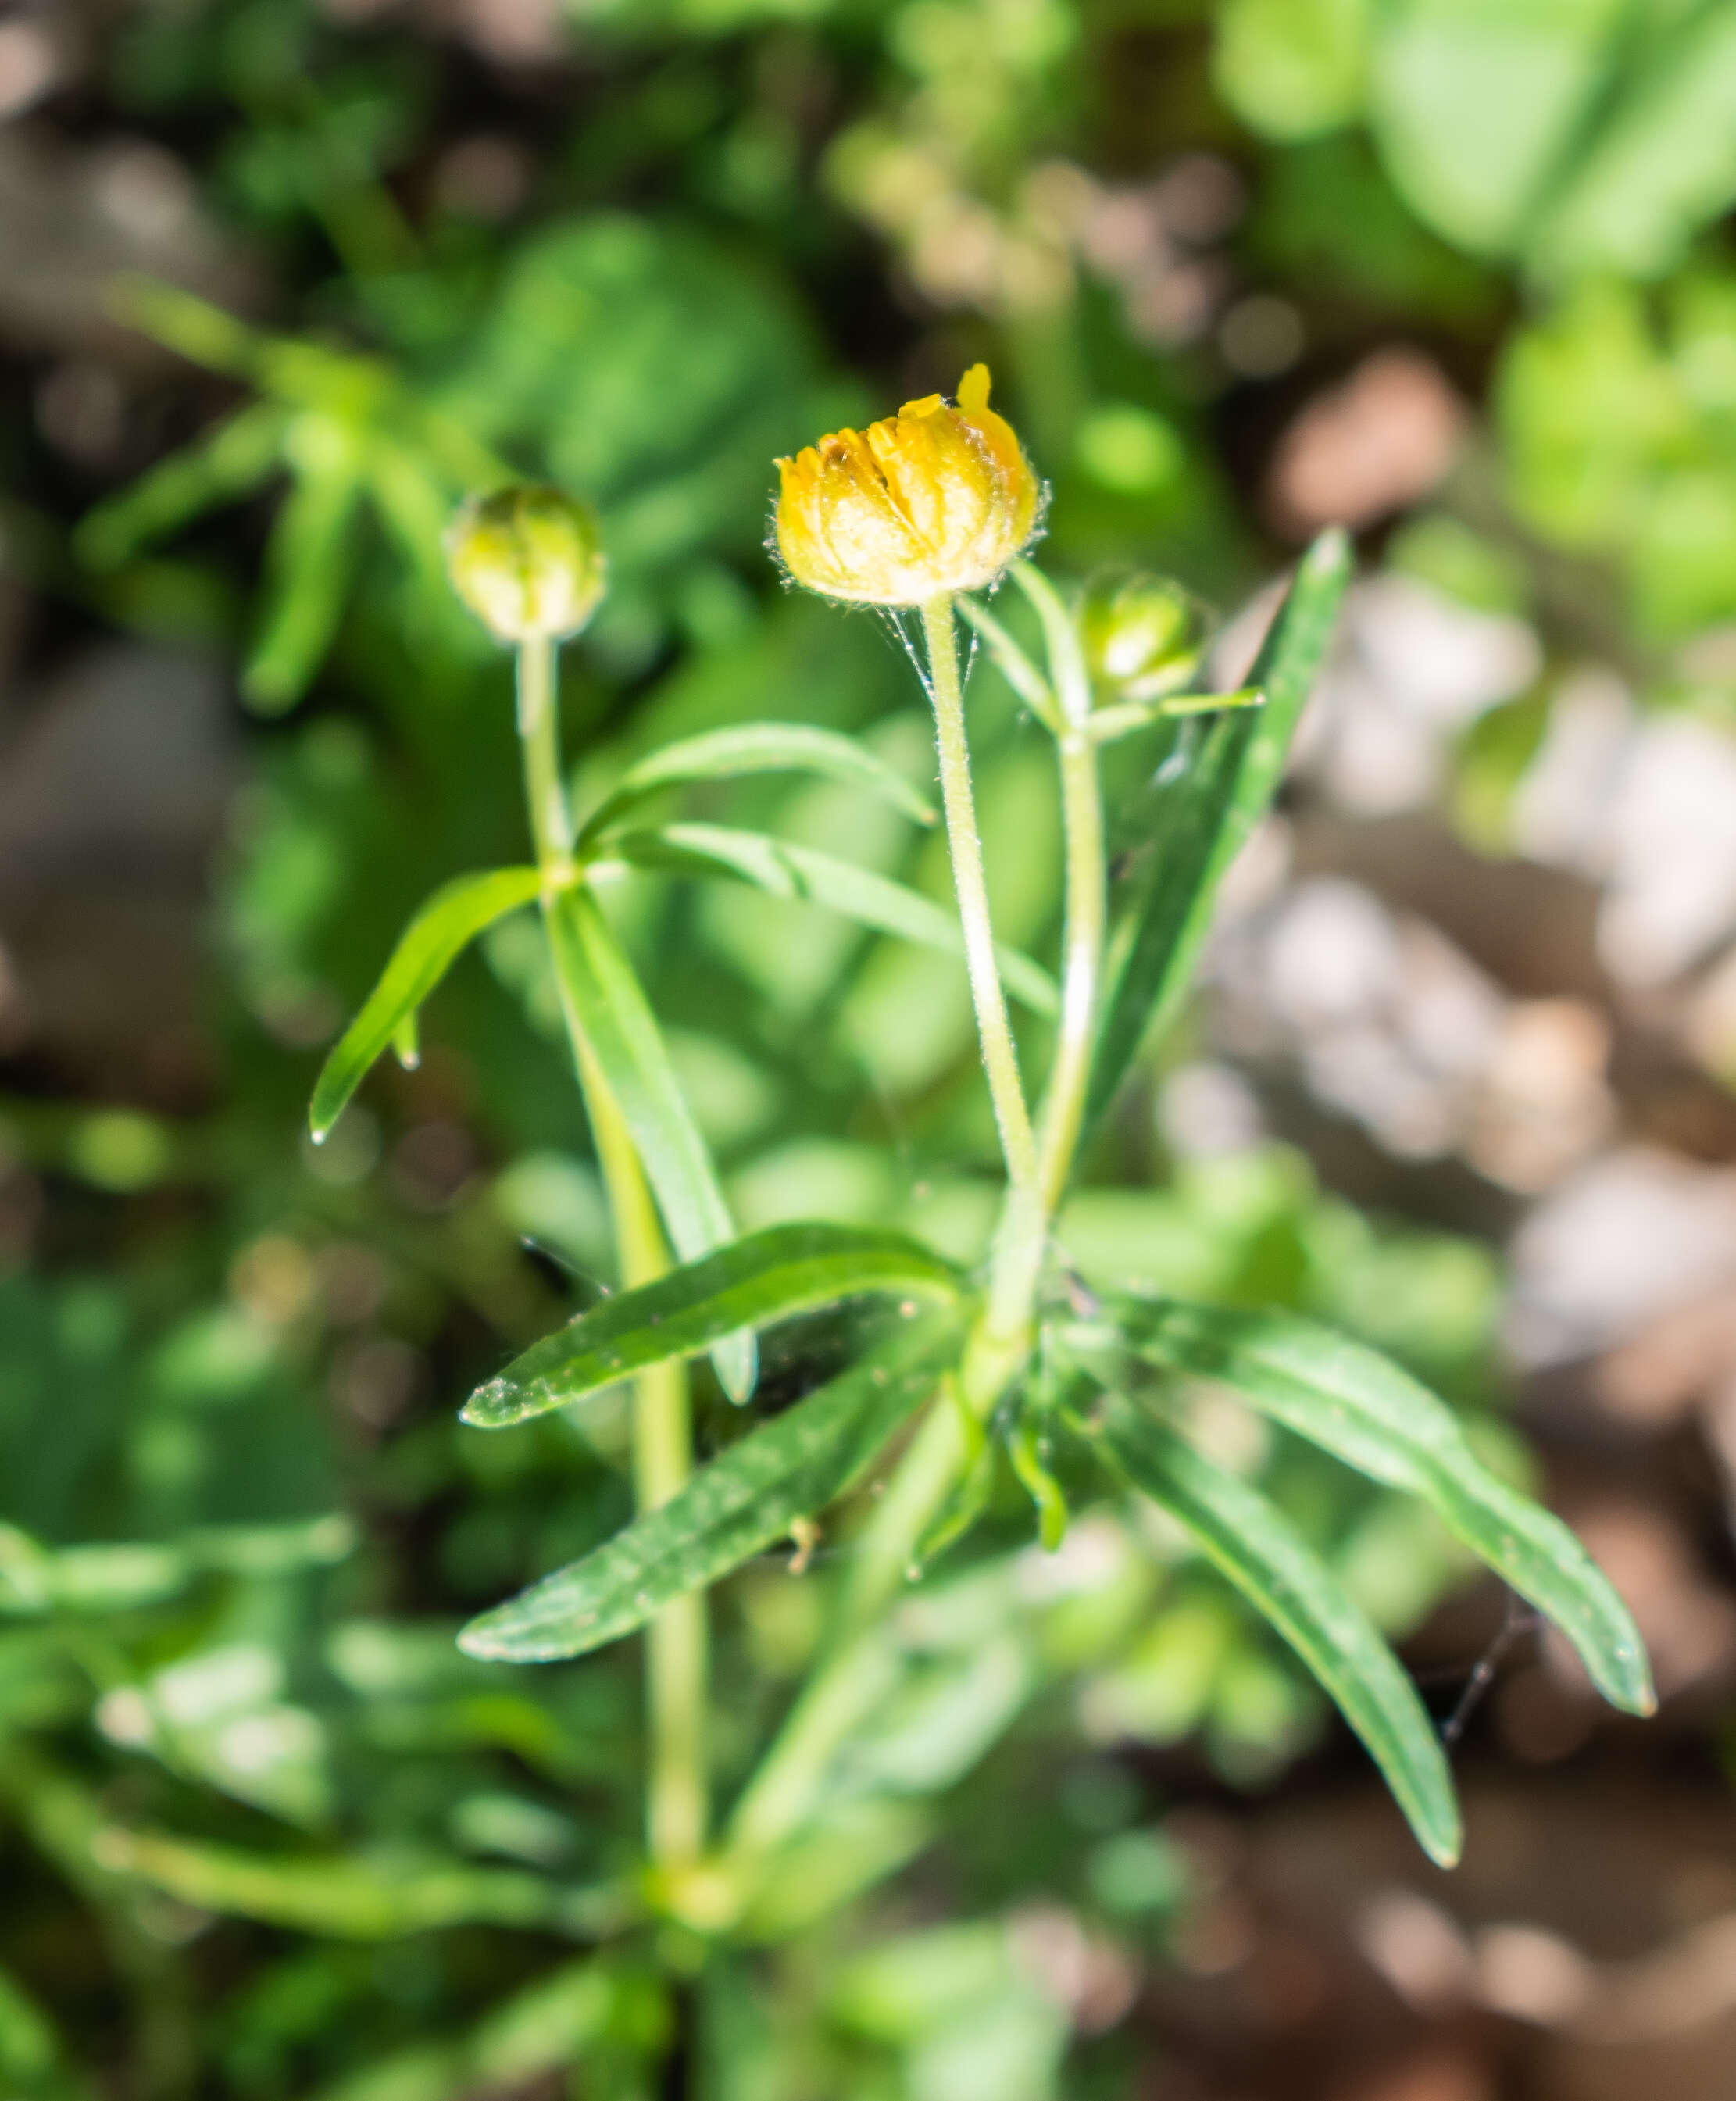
(1000, 1058)
(539, 738)
(781, 1795)
(1087, 883)
(662, 1434)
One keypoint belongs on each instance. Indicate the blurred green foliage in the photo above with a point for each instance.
(269, 1832)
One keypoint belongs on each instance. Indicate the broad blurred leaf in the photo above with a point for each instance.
(1477, 104)
(651, 367)
(1199, 821)
(455, 913)
(1293, 68)
(1259, 1552)
(763, 1277)
(737, 1505)
(1662, 163)
(763, 747)
(788, 870)
(1368, 1412)
(610, 1010)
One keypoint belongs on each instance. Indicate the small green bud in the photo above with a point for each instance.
(528, 561)
(1143, 637)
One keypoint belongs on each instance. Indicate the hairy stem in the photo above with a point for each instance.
(782, 1793)
(1000, 1058)
(675, 1663)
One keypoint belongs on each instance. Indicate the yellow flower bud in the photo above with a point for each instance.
(1142, 635)
(936, 498)
(528, 562)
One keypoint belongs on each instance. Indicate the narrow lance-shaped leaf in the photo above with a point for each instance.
(764, 747)
(1255, 1546)
(786, 870)
(452, 918)
(1201, 819)
(612, 1014)
(1015, 665)
(1371, 1414)
(762, 1277)
(735, 1506)
(307, 573)
(349, 1899)
(217, 468)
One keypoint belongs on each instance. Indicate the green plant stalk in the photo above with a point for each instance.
(676, 1646)
(779, 1798)
(1000, 1058)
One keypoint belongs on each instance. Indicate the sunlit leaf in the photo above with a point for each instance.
(1369, 1413)
(788, 870)
(1200, 821)
(761, 747)
(454, 917)
(741, 1503)
(763, 1277)
(611, 1012)
(1257, 1547)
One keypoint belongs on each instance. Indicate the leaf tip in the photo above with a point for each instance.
(1445, 1848)
(489, 1408)
(1329, 553)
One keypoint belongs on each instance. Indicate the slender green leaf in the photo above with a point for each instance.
(307, 575)
(455, 913)
(763, 747)
(610, 1010)
(352, 1899)
(1109, 724)
(1201, 819)
(786, 870)
(789, 1467)
(1255, 1546)
(1371, 1414)
(761, 1278)
(1014, 665)
(1069, 679)
(217, 468)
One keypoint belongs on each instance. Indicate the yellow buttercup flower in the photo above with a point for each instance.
(935, 500)
(528, 562)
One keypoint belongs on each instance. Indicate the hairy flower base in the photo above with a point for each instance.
(938, 498)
